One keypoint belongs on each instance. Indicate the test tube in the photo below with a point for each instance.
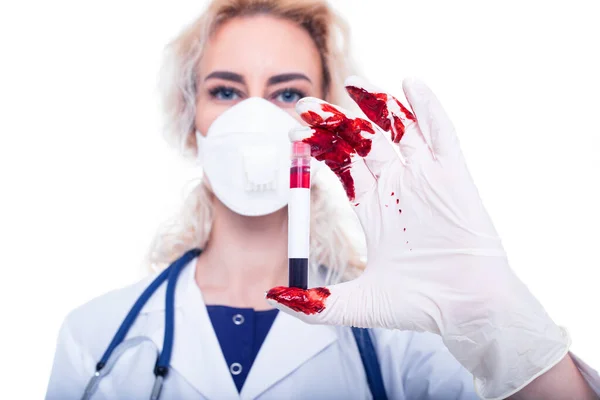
(299, 216)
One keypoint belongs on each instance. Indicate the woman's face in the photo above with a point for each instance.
(259, 56)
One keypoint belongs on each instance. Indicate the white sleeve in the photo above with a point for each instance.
(589, 374)
(419, 366)
(69, 375)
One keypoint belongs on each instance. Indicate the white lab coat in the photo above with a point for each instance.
(296, 360)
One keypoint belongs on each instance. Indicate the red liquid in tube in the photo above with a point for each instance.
(299, 216)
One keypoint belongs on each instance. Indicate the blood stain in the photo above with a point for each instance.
(326, 146)
(311, 301)
(374, 105)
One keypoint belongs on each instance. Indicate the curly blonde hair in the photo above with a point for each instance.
(333, 245)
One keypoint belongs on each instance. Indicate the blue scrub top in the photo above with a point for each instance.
(241, 332)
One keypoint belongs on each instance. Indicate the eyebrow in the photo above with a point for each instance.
(274, 80)
(226, 75)
(281, 78)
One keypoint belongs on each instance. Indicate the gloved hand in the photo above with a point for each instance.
(435, 261)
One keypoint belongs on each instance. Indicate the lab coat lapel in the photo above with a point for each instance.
(197, 355)
(289, 344)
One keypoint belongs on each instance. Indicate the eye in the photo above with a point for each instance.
(288, 96)
(225, 93)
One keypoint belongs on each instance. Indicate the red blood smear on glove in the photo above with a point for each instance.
(327, 146)
(312, 118)
(346, 128)
(324, 146)
(311, 301)
(374, 105)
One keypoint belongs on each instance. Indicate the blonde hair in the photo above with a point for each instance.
(331, 246)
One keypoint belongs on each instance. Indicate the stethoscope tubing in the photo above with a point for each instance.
(161, 369)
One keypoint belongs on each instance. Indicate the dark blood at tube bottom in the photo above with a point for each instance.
(298, 273)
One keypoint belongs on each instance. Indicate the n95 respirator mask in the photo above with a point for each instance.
(246, 157)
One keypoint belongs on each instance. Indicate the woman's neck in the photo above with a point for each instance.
(245, 256)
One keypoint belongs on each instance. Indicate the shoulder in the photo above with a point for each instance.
(84, 336)
(94, 323)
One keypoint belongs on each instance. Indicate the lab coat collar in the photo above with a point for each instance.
(157, 301)
(197, 353)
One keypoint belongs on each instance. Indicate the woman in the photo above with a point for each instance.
(226, 73)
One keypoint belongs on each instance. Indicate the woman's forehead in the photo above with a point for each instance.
(261, 46)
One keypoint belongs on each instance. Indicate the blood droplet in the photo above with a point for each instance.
(356, 204)
(392, 194)
(327, 146)
(404, 229)
(400, 211)
(397, 201)
(311, 301)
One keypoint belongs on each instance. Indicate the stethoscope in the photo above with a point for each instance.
(118, 345)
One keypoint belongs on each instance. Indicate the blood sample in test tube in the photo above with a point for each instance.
(299, 216)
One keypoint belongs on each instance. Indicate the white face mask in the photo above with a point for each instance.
(246, 157)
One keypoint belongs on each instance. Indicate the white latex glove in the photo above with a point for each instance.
(435, 261)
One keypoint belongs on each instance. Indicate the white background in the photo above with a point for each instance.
(86, 177)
